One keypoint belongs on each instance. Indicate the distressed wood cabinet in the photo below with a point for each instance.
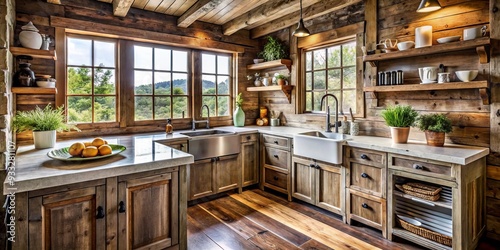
(249, 159)
(276, 163)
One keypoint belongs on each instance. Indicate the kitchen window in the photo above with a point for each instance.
(91, 92)
(331, 70)
(216, 84)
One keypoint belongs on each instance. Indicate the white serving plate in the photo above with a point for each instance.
(448, 39)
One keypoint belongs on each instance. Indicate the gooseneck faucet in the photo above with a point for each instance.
(328, 123)
(201, 121)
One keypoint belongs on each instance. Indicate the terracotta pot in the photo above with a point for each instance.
(434, 138)
(281, 81)
(400, 135)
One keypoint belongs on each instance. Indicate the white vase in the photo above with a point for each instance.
(30, 39)
(44, 139)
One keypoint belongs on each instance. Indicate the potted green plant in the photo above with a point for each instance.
(273, 50)
(399, 119)
(44, 123)
(280, 79)
(239, 114)
(435, 126)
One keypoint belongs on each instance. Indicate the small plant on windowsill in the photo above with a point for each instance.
(435, 126)
(44, 123)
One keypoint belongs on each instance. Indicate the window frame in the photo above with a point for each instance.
(216, 75)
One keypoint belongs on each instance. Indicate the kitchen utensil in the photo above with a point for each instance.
(354, 128)
(390, 43)
(24, 77)
(46, 84)
(258, 60)
(423, 36)
(448, 39)
(275, 122)
(405, 45)
(443, 77)
(428, 74)
(62, 154)
(352, 116)
(473, 33)
(466, 75)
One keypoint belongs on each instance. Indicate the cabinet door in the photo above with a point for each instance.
(68, 220)
(250, 163)
(201, 179)
(228, 173)
(148, 212)
(303, 180)
(331, 192)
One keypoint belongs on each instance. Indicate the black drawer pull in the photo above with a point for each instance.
(275, 178)
(317, 166)
(182, 145)
(364, 175)
(364, 157)
(276, 156)
(312, 165)
(100, 212)
(121, 207)
(364, 205)
(249, 137)
(276, 142)
(418, 167)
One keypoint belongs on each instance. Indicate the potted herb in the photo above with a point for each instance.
(44, 123)
(399, 119)
(273, 50)
(280, 79)
(435, 126)
(239, 114)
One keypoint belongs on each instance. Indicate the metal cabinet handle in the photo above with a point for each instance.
(121, 207)
(364, 205)
(276, 156)
(182, 145)
(100, 212)
(364, 175)
(312, 165)
(275, 142)
(364, 157)
(317, 166)
(275, 178)
(418, 167)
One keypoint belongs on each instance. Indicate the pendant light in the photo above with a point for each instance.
(301, 30)
(428, 6)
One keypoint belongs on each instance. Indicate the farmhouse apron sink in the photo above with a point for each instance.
(322, 146)
(207, 144)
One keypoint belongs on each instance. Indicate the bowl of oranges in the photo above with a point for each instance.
(96, 149)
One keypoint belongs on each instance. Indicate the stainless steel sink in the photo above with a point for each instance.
(322, 146)
(207, 144)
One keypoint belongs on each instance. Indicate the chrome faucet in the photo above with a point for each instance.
(328, 124)
(201, 121)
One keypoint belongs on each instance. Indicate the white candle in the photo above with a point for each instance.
(423, 36)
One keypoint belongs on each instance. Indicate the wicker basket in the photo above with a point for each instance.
(428, 234)
(419, 195)
(422, 188)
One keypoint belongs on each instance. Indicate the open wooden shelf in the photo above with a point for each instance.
(481, 85)
(271, 64)
(439, 203)
(479, 44)
(286, 89)
(34, 91)
(407, 235)
(35, 53)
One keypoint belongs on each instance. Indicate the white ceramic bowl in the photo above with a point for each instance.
(448, 39)
(258, 60)
(405, 45)
(46, 84)
(467, 75)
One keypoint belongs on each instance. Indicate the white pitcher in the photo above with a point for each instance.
(428, 74)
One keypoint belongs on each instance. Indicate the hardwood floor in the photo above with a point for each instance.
(261, 220)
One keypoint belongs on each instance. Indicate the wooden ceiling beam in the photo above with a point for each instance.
(311, 12)
(198, 10)
(54, 1)
(121, 7)
(267, 12)
(105, 1)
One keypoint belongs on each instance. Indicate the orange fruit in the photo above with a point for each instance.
(76, 148)
(98, 141)
(105, 150)
(88, 143)
(90, 151)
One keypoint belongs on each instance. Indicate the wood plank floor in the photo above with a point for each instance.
(261, 220)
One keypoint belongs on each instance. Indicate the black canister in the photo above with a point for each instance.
(400, 77)
(394, 78)
(388, 78)
(381, 78)
(24, 77)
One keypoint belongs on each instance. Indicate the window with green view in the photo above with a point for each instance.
(216, 84)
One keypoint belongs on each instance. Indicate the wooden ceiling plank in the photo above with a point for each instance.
(215, 12)
(164, 6)
(198, 10)
(139, 4)
(179, 7)
(152, 5)
(121, 7)
(235, 9)
(310, 12)
(267, 12)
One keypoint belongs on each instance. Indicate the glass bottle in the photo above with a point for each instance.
(169, 129)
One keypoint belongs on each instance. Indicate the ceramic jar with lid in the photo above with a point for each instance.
(29, 37)
(24, 77)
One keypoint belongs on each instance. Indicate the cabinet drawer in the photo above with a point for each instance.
(276, 141)
(276, 178)
(276, 157)
(367, 209)
(416, 165)
(368, 179)
(367, 157)
(249, 138)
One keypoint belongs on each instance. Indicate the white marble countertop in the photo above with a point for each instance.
(35, 170)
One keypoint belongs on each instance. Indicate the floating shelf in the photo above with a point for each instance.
(35, 53)
(479, 44)
(481, 85)
(34, 91)
(286, 89)
(271, 64)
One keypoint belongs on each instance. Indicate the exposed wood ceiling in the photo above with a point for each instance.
(261, 17)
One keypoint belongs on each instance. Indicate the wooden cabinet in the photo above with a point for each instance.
(276, 163)
(214, 175)
(249, 159)
(137, 211)
(318, 183)
(366, 187)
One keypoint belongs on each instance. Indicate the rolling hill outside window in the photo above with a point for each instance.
(216, 84)
(91, 92)
(331, 70)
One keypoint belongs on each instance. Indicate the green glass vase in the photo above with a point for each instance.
(239, 117)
